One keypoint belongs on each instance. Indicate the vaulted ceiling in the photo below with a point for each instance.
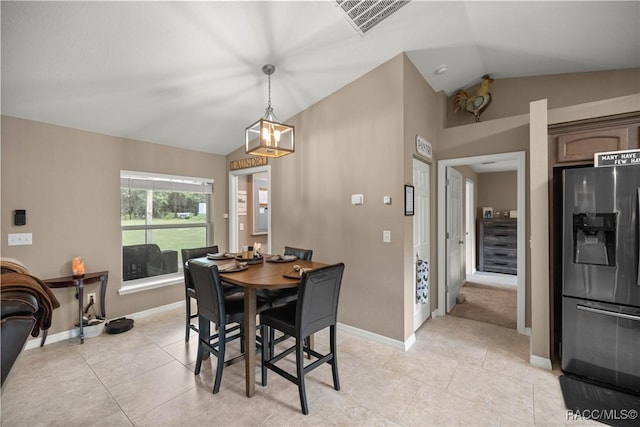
(189, 74)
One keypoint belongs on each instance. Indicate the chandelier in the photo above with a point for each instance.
(268, 137)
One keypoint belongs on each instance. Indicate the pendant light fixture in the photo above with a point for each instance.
(268, 137)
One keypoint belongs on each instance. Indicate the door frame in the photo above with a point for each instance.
(520, 158)
(233, 205)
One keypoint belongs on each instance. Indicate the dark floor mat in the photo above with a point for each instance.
(585, 400)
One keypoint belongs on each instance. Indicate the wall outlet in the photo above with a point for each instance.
(91, 297)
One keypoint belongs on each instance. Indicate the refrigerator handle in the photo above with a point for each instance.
(607, 312)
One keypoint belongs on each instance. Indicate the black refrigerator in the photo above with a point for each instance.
(601, 277)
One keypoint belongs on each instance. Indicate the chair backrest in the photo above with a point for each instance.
(137, 260)
(304, 254)
(206, 280)
(188, 254)
(318, 293)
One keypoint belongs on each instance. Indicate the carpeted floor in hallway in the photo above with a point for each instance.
(488, 303)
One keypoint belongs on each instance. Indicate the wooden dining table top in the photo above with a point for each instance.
(265, 274)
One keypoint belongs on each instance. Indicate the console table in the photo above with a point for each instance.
(78, 282)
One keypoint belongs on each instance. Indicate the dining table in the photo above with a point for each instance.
(260, 273)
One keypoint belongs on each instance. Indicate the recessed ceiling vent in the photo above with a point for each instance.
(365, 14)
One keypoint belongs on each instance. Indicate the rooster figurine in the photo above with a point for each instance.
(474, 104)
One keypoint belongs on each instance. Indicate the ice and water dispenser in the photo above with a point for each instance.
(594, 238)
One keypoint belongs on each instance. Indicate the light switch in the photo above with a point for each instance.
(241, 227)
(19, 239)
(357, 199)
(386, 200)
(386, 236)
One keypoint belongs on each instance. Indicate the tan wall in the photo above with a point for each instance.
(512, 96)
(356, 141)
(422, 116)
(498, 190)
(68, 180)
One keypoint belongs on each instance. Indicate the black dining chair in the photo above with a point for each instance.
(222, 310)
(278, 297)
(190, 291)
(315, 309)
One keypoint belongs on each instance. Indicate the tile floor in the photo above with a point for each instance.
(459, 372)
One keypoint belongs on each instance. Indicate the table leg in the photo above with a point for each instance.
(103, 294)
(80, 309)
(250, 340)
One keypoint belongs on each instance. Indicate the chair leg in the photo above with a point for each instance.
(300, 374)
(265, 353)
(221, 348)
(188, 321)
(202, 330)
(334, 361)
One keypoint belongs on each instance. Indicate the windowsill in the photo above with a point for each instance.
(133, 286)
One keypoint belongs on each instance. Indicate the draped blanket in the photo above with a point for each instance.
(422, 281)
(15, 277)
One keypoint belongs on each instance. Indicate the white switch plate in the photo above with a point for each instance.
(357, 199)
(386, 200)
(18, 239)
(386, 236)
(241, 227)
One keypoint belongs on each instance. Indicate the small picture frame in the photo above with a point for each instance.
(487, 212)
(408, 200)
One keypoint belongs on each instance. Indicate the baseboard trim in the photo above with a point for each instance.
(73, 333)
(540, 362)
(389, 342)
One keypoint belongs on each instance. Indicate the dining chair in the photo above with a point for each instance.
(315, 310)
(190, 291)
(278, 297)
(216, 307)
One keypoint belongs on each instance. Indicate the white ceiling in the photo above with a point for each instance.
(189, 74)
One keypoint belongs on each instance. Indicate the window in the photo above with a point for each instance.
(159, 216)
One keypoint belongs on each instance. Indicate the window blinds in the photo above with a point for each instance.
(161, 182)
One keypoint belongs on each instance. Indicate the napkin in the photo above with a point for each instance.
(231, 266)
(301, 269)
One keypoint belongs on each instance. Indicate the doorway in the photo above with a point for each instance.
(421, 234)
(519, 161)
(249, 207)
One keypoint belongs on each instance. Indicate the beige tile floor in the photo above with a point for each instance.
(459, 373)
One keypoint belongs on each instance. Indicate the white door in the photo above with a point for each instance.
(454, 240)
(470, 228)
(421, 235)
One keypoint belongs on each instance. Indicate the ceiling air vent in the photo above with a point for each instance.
(364, 15)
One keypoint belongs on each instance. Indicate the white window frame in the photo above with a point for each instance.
(162, 182)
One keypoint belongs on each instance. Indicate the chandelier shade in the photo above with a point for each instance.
(267, 136)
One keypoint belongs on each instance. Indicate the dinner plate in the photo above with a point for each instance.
(270, 259)
(292, 274)
(233, 270)
(218, 257)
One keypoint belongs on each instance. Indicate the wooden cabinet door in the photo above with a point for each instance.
(573, 147)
